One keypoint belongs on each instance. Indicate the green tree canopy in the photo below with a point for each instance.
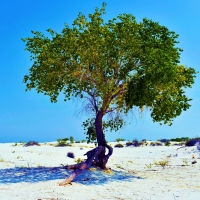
(115, 65)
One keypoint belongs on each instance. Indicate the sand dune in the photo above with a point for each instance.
(34, 173)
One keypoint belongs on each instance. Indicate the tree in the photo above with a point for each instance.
(115, 66)
(71, 139)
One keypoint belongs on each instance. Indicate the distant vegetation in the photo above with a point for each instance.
(62, 142)
(160, 142)
(119, 145)
(193, 142)
(71, 139)
(182, 139)
(31, 143)
(120, 139)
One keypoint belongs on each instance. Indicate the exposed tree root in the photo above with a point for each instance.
(95, 156)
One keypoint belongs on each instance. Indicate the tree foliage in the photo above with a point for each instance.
(115, 65)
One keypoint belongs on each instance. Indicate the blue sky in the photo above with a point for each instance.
(28, 116)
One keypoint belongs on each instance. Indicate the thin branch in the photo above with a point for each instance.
(111, 110)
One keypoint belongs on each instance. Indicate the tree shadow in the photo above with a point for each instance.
(37, 174)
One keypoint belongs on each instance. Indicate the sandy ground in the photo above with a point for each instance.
(33, 173)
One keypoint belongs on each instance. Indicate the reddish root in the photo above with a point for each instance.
(93, 156)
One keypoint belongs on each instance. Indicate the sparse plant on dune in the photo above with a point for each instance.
(158, 144)
(185, 162)
(2, 160)
(71, 139)
(182, 139)
(119, 166)
(62, 143)
(65, 139)
(135, 143)
(129, 144)
(144, 140)
(149, 166)
(152, 144)
(119, 145)
(167, 143)
(193, 142)
(163, 140)
(119, 139)
(176, 144)
(31, 143)
(162, 163)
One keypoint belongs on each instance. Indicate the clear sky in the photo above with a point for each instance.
(28, 116)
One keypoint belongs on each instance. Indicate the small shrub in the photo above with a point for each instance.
(167, 143)
(31, 143)
(71, 139)
(119, 139)
(193, 142)
(65, 139)
(152, 144)
(2, 160)
(61, 141)
(164, 140)
(135, 143)
(149, 166)
(182, 143)
(63, 144)
(70, 155)
(83, 141)
(182, 139)
(77, 142)
(119, 145)
(141, 143)
(119, 166)
(176, 144)
(158, 144)
(162, 163)
(128, 144)
(185, 162)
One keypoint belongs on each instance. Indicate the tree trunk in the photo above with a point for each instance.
(101, 158)
(96, 156)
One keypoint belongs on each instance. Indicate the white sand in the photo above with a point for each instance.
(31, 173)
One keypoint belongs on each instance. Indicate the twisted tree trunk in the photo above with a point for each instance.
(96, 156)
